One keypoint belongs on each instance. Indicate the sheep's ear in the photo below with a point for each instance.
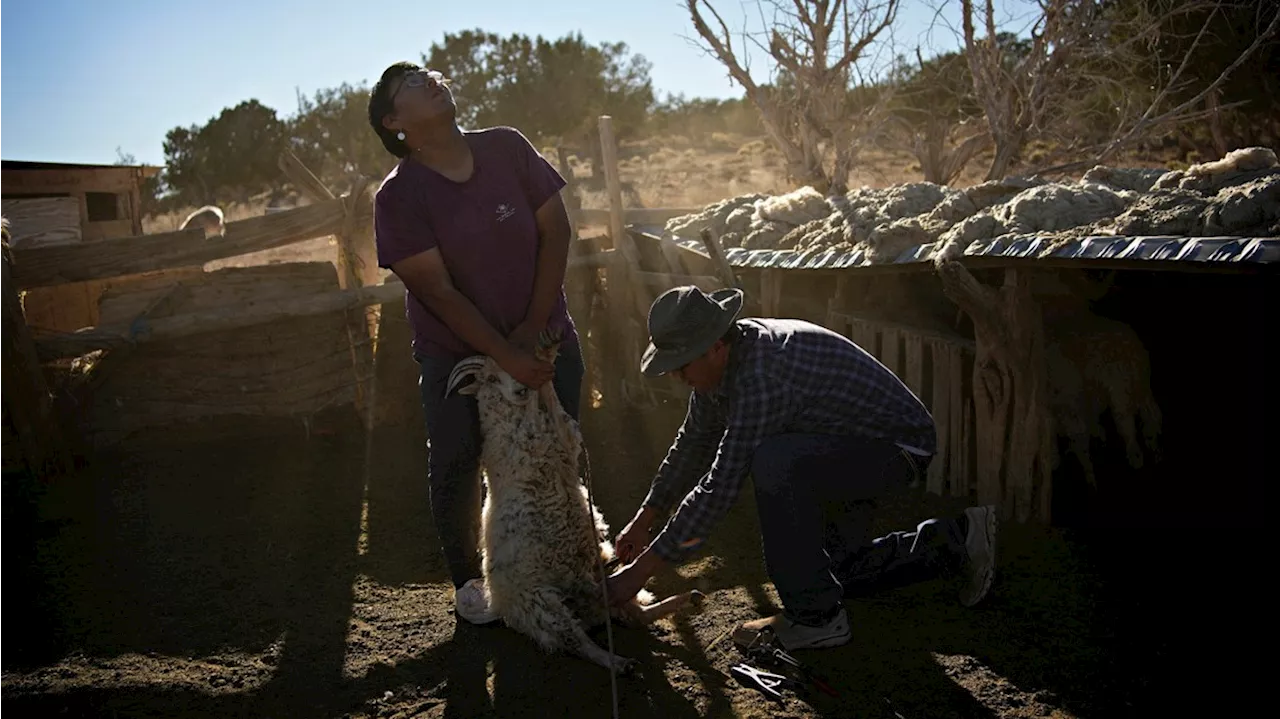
(469, 388)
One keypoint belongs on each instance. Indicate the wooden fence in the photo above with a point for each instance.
(297, 337)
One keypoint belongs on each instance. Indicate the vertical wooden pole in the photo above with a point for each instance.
(358, 267)
(28, 405)
(617, 226)
(624, 287)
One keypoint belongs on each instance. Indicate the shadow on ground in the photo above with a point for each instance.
(229, 578)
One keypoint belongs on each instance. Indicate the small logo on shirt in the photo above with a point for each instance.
(504, 211)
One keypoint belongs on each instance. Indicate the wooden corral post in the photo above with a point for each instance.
(1010, 395)
(723, 268)
(624, 287)
(28, 405)
(357, 267)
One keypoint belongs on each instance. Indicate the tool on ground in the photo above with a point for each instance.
(764, 682)
(761, 647)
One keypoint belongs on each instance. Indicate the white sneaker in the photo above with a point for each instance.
(471, 602)
(793, 636)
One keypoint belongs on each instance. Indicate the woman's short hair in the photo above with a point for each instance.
(381, 105)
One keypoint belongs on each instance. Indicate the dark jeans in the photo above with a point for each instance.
(815, 495)
(453, 460)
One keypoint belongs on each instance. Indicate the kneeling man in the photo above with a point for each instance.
(823, 429)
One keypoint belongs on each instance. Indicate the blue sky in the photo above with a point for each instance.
(80, 79)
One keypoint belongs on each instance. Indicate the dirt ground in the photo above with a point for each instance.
(248, 569)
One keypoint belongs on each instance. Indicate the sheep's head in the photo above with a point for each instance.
(486, 375)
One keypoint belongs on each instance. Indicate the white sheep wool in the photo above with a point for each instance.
(1237, 195)
(544, 544)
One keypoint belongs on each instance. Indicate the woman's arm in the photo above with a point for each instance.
(554, 234)
(426, 276)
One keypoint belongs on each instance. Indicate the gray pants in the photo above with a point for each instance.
(453, 460)
(815, 495)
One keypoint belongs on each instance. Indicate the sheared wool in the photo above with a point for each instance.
(1236, 195)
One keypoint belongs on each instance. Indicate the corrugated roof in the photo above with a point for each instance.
(1214, 250)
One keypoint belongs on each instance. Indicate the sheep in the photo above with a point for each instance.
(1095, 364)
(209, 218)
(544, 543)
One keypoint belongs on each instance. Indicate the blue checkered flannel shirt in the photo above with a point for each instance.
(783, 376)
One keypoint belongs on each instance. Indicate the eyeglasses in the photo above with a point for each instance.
(418, 78)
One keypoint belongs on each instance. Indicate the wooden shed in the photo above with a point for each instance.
(51, 203)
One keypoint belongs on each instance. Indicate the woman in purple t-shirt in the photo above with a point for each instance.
(472, 222)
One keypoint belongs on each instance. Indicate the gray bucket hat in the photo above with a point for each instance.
(683, 323)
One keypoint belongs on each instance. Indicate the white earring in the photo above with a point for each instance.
(400, 136)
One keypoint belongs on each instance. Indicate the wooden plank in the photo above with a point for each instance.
(836, 303)
(124, 298)
(108, 230)
(236, 316)
(771, 292)
(676, 259)
(635, 215)
(924, 333)
(914, 376)
(28, 405)
(666, 280)
(101, 179)
(940, 408)
(42, 221)
(863, 334)
(293, 368)
(302, 178)
(45, 266)
(712, 243)
(889, 352)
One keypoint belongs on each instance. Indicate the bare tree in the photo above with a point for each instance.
(1081, 68)
(817, 104)
(934, 117)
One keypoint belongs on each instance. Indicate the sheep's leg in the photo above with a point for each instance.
(1124, 415)
(653, 612)
(546, 618)
(1080, 448)
(638, 613)
(1149, 415)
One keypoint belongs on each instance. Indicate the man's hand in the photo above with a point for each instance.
(636, 536)
(525, 368)
(624, 584)
(525, 336)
